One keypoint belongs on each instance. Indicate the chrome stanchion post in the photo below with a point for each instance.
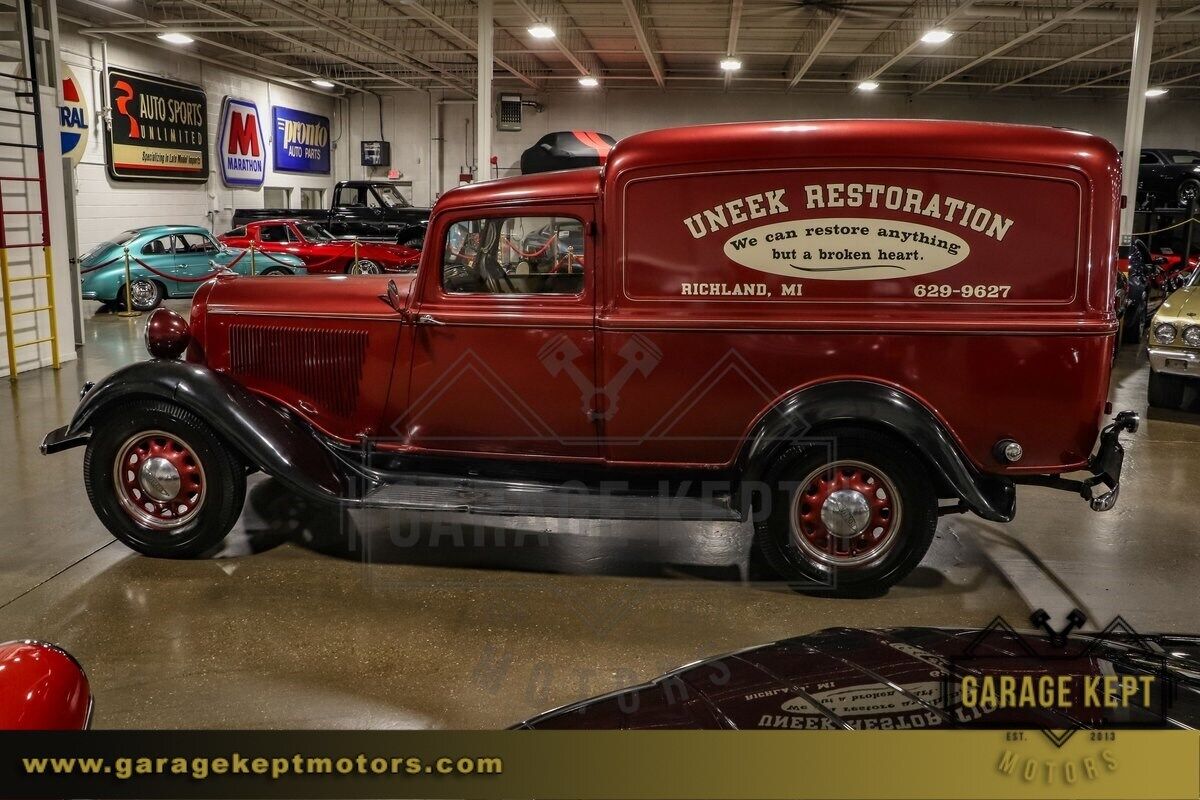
(252, 269)
(357, 270)
(128, 310)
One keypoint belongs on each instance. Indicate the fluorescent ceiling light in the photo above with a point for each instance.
(541, 31)
(936, 36)
(324, 84)
(1157, 91)
(176, 38)
(731, 64)
(867, 86)
(589, 82)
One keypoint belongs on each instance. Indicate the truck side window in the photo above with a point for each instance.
(514, 255)
(350, 196)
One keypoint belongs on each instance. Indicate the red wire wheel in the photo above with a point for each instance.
(845, 514)
(159, 480)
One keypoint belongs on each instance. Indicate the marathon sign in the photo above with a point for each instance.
(241, 149)
(159, 129)
(300, 141)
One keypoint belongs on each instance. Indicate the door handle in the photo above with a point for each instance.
(428, 319)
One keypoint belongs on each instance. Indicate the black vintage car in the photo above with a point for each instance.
(903, 679)
(1168, 178)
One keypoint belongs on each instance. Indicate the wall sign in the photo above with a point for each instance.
(72, 116)
(159, 129)
(300, 141)
(241, 149)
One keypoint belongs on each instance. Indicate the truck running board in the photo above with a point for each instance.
(509, 498)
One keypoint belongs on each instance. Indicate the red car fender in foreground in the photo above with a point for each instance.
(42, 687)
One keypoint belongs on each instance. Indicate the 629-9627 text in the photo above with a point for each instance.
(991, 291)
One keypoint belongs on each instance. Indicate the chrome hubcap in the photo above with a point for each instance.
(846, 513)
(366, 268)
(159, 478)
(142, 291)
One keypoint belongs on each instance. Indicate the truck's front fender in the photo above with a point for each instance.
(839, 405)
(276, 444)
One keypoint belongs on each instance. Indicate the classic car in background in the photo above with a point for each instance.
(1168, 178)
(366, 209)
(567, 150)
(1175, 346)
(900, 679)
(164, 261)
(472, 386)
(320, 251)
(1172, 271)
(42, 687)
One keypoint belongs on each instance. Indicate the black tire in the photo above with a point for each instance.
(364, 266)
(1166, 391)
(147, 294)
(276, 271)
(1186, 192)
(218, 495)
(1132, 327)
(904, 481)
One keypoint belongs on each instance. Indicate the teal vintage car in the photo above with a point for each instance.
(168, 261)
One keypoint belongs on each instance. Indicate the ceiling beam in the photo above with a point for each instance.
(414, 10)
(1094, 49)
(1033, 32)
(258, 28)
(568, 39)
(735, 24)
(646, 39)
(905, 34)
(1179, 51)
(814, 52)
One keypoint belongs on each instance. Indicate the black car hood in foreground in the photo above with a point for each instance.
(896, 679)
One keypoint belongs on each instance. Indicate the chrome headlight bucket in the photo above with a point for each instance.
(1191, 335)
(1165, 333)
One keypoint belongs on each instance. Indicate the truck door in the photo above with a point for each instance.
(503, 358)
(350, 213)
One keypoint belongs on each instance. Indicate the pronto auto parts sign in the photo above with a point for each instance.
(241, 150)
(72, 116)
(159, 129)
(300, 141)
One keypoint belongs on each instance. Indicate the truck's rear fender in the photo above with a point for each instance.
(265, 437)
(840, 405)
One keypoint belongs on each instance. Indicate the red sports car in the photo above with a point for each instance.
(322, 253)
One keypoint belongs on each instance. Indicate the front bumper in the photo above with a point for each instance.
(1175, 361)
(1105, 466)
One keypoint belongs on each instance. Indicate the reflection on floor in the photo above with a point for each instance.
(308, 619)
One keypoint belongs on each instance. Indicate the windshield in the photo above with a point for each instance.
(314, 232)
(117, 241)
(391, 196)
(1183, 156)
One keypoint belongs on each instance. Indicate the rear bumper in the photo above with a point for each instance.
(1105, 465)
(1175, 361)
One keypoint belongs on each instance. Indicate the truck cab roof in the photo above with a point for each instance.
(562, 185)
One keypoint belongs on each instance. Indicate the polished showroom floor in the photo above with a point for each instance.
(416, 622)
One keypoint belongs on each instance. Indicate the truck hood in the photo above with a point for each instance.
(305, 296)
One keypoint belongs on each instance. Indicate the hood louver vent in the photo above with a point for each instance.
(322, 366)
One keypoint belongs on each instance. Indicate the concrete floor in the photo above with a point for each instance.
(419, 621)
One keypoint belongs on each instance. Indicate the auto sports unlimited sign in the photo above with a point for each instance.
(159, 129)
(301, 141)
(241, 150)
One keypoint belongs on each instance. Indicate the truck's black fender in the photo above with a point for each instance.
(873, 406)
(277, 445)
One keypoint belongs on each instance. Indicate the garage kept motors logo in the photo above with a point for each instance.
(159, 129)
(241, 150)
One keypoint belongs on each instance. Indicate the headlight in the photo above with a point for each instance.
(1191, 335)
(1165, 333)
